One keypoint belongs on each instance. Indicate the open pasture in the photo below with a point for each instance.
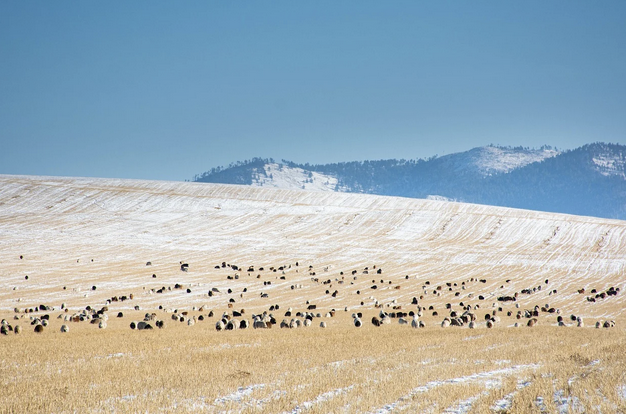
(72, 244)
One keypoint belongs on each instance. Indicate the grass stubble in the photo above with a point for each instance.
(339, 369)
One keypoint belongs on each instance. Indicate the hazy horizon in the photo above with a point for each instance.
(166, 91)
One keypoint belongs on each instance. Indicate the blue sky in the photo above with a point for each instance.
(166, 90)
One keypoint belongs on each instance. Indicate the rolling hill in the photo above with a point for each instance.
(85, 232)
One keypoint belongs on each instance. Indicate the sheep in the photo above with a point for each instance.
(102, 324)
(357, 322)
(232, 325)
(322, 324)
(307, 322)
(219, 325)
(580, 322)
(472, 325)
(532, 322)
(17, 330)
(284, 324)
(445, 323)
(160, 324)
(39, 328)
(415, 322)
(191, 321)
(490, 324)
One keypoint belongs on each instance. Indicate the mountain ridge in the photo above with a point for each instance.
(589, 180)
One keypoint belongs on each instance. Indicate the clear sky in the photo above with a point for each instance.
(165, 90)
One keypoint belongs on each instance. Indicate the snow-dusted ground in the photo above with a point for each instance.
(611, 165)
(283, 176)
(494, 160)
(79, 232)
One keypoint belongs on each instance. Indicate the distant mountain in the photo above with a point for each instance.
(590, 180)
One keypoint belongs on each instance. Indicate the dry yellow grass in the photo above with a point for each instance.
(76, 234)
(340, 369)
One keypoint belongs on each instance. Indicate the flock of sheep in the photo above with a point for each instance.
(466, 315)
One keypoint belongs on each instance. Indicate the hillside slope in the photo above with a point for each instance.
(78, 233)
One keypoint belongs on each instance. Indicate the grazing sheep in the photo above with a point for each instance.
(580, 322)
(232, 325)
(322, 324)
(219, 325)
(284, 324)
(191, 322)
(102, 324)
(357, 322)
(143, 325)
(307, 322)
(532, 322)
(445, 323)
(415, 322)
(490, 324)
(472, 325)
(599, 324)
(17, 330)
(39, 328)
(160, 324)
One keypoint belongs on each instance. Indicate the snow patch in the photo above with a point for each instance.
(494, 160)
(282, 176)
(439, 198)
(238, 395)
(464, 406)
(307, 405)
(486, 377)
(611, 165)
